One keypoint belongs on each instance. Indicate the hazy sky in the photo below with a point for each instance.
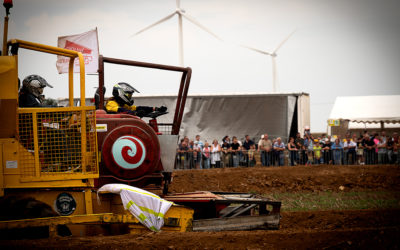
(340, 48)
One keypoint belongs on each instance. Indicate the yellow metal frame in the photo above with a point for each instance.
(177, 219)
(61, 52)
(38, 176)
(13, 178)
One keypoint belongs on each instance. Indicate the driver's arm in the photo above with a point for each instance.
(145, 109)
(112, 106)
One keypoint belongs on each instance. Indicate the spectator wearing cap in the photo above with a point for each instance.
(261, 152)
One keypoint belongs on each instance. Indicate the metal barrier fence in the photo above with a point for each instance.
(57, 142)
(196, 160)
(165, 128)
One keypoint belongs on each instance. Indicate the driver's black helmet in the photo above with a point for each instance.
(122, 92)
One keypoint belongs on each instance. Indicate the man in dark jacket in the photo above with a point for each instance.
(31, 93)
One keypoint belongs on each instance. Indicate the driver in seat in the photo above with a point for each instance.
(122, 102)
(31, 92)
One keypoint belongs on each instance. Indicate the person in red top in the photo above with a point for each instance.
(206, 155)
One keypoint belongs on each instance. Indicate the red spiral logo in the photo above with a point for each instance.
(128, 152)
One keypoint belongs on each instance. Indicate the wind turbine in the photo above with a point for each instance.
(273, 58)
(181, 13)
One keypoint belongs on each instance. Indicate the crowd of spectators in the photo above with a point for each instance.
(367, 148)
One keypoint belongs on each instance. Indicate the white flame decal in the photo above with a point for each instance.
(128, 152)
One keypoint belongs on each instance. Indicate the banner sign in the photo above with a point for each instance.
(87, 43)
(333, 123)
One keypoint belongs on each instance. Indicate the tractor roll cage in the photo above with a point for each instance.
(183, 88)
(15, 44)
(40, 130)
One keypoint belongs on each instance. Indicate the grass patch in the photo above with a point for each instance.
(338, 200)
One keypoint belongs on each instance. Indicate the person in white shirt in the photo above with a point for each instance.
(215, 154)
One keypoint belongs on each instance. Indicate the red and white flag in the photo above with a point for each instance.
(86, 43)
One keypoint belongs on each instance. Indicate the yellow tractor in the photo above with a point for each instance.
(55, 159)
(50, 155)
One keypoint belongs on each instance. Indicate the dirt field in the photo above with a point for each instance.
(336, 229)
(269, 180)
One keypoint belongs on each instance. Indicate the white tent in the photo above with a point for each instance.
(367, 109)
(371, 109)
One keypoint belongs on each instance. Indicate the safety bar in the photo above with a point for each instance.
(16, 43)
(183, 89)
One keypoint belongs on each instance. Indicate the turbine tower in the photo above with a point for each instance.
(273, 55)
(181, 13)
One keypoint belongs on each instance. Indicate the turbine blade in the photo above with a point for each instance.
(192, 20)
(256, 50)
(154, 24)
(284, 41)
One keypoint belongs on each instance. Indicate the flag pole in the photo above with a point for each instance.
(7, 4)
